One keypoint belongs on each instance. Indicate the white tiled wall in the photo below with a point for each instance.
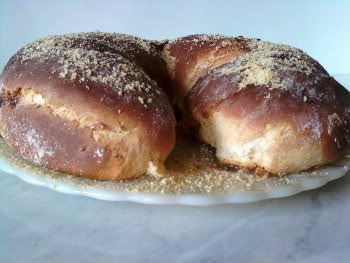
(321, 28)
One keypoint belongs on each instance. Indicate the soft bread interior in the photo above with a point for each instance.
(277, 148)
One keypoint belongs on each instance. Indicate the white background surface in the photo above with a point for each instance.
(39, 225)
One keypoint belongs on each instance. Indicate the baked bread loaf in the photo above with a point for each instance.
(99, 105)
(89, 104)
(261, 105)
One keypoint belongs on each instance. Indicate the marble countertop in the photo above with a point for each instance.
(40, 225)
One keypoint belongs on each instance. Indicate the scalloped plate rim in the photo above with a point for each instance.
(193, 199)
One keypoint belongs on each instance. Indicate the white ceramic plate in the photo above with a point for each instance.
(218, 186)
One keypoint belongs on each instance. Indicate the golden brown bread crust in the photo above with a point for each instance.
(86, 82)
(266, 105)
(95, 104)
(192, 56)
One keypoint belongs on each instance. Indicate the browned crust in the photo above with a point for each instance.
(185, 53)
(97, 97)
(259, 106)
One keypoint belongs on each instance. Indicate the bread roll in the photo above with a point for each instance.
(261, 105)
(89, 104)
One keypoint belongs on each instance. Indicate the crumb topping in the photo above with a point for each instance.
(196, 41)
(96, 57)
(261, 63)
(269, 64)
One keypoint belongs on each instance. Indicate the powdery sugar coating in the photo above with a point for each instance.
(40, 146)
